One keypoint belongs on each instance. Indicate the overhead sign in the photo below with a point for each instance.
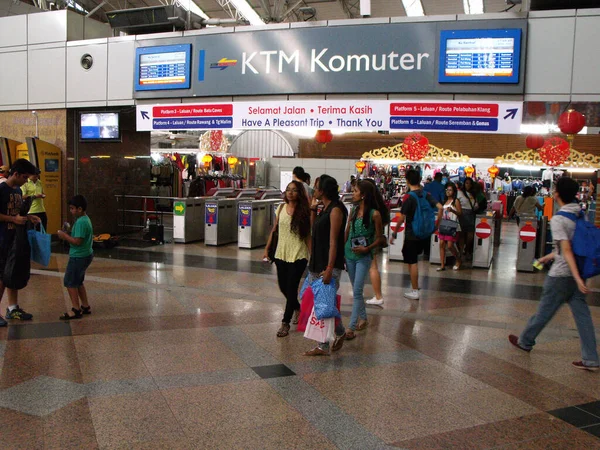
(385, 58)
(363, 115)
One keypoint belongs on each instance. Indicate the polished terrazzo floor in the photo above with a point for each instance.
(180, 353)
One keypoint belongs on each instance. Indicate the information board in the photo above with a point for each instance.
(164, 67)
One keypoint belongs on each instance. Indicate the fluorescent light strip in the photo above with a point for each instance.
(246, 10)
(413, 7)
(473, 6)
(190, 5)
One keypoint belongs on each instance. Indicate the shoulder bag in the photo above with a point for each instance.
(274, 238)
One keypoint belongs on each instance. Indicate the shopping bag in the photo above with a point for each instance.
(325, 296)
(40, 242)
(305, 285)
(319, 330)
(306, 307)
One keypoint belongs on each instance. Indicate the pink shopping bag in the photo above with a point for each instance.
(306, 308)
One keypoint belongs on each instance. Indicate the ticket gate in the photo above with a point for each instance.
(188, 219)
(483, 246)
(220, 218)
(526, 249)
(395, 249)
(255, 222)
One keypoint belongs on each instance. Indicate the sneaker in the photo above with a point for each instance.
(375, 301)
(338, 343)
(413, 294)
(581, 365)
(18, 314)
(514, 340)
(3, 322)
(295, 317)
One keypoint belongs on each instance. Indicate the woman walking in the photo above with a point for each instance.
(364, 234)
(525, 204)
(452, 213)
(291, 256)
(327, 244)
(468, 205)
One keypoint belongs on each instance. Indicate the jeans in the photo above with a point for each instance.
(339, 326)
(288, 278)
(559, 290)
(358, 271)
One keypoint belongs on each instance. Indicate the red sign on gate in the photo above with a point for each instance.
(527, 233)
(483, 230)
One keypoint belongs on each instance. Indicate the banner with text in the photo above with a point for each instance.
(351, 115)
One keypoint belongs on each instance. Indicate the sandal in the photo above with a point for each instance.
(284, 330)
(86, 310)
(76, 315)
(350, 335)
(362, 325)
(440, 269)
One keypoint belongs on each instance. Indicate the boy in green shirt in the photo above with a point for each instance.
(80, 257)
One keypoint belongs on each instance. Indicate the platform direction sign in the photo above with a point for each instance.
(356, 115)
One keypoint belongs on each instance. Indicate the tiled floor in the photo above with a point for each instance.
(180, 353)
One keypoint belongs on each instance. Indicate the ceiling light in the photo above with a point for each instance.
(246, 10)
(413, 7)
(473, 6)
(191, 6)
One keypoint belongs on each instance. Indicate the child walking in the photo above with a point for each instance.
(80, 257)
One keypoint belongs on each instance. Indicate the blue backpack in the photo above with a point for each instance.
(585, 244)
(423, 223)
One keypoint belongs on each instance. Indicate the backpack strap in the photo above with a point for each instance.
(571, 216)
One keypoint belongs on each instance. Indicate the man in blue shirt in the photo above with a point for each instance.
(436, 188)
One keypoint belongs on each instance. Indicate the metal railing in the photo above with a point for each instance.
(141, 209)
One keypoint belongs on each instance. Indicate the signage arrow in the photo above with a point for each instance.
(145, 115)
(512, 113)
(179, 208)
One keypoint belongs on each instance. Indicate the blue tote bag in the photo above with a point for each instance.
(39, 242)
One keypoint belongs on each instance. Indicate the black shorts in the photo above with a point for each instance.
(75, 273)
(412, 249)
(5, 247)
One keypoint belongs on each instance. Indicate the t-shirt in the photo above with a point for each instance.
(436, 189)
(409, 207)
(308, 189)
(525, 205)
(467, 202)
(29, 190)
(82, 229)
(11, 203)
(563, 229)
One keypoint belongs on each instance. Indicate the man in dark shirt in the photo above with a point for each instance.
(413, 246)
(13, 214)
(436, 188)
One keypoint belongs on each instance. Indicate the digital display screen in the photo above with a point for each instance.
(100, 127)
(480, 56)
(164, 67)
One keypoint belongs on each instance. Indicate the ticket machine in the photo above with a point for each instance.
(526, 249)
(395, 250)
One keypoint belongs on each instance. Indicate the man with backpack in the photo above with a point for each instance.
(418, 211)
(565, 282)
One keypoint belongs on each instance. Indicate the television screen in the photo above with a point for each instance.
(480, 56)
(101, 126)
(164, 67)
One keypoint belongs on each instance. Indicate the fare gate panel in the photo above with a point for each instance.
(483, 251)
(526, 249)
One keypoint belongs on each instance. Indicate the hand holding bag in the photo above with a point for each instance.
(40, 243)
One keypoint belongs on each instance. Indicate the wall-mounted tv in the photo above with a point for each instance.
(480, 56)
(163, 67)
(99, 126)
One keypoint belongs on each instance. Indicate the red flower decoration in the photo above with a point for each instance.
(555, 151)
(216, 138)
(416, 147)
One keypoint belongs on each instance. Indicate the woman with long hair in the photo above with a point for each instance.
(291, 255)
(374, 274)
(452, 212)
(364, 234)
(466, 197)
(525, 204)
(327, 244)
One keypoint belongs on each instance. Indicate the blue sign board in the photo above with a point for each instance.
(245, 215)
(444, 123)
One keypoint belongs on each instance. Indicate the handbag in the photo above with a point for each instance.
(40, 243)
(274, 239)
(448, 227)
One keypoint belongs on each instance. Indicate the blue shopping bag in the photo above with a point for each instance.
(325, 299)
(40, 242)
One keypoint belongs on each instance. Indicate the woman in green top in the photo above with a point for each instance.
(364, 233)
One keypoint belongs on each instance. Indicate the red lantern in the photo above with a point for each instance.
(416, 147)
(534, 141)
(571, 122)
(555, 151)
(493, 171)
(324, 137)
(536, 108)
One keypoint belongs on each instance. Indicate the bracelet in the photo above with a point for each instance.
(329, 267)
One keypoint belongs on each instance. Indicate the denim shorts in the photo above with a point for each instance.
(75, 273)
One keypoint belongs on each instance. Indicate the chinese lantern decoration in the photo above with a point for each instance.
(324, 137)
(416, 147)
(555, 151)
(493, 171)
(216, 137)
(534, 141)
(536, 108)
(360, 166)
(571, 122)
(207, 159)
(469, 171)
(232, 161)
